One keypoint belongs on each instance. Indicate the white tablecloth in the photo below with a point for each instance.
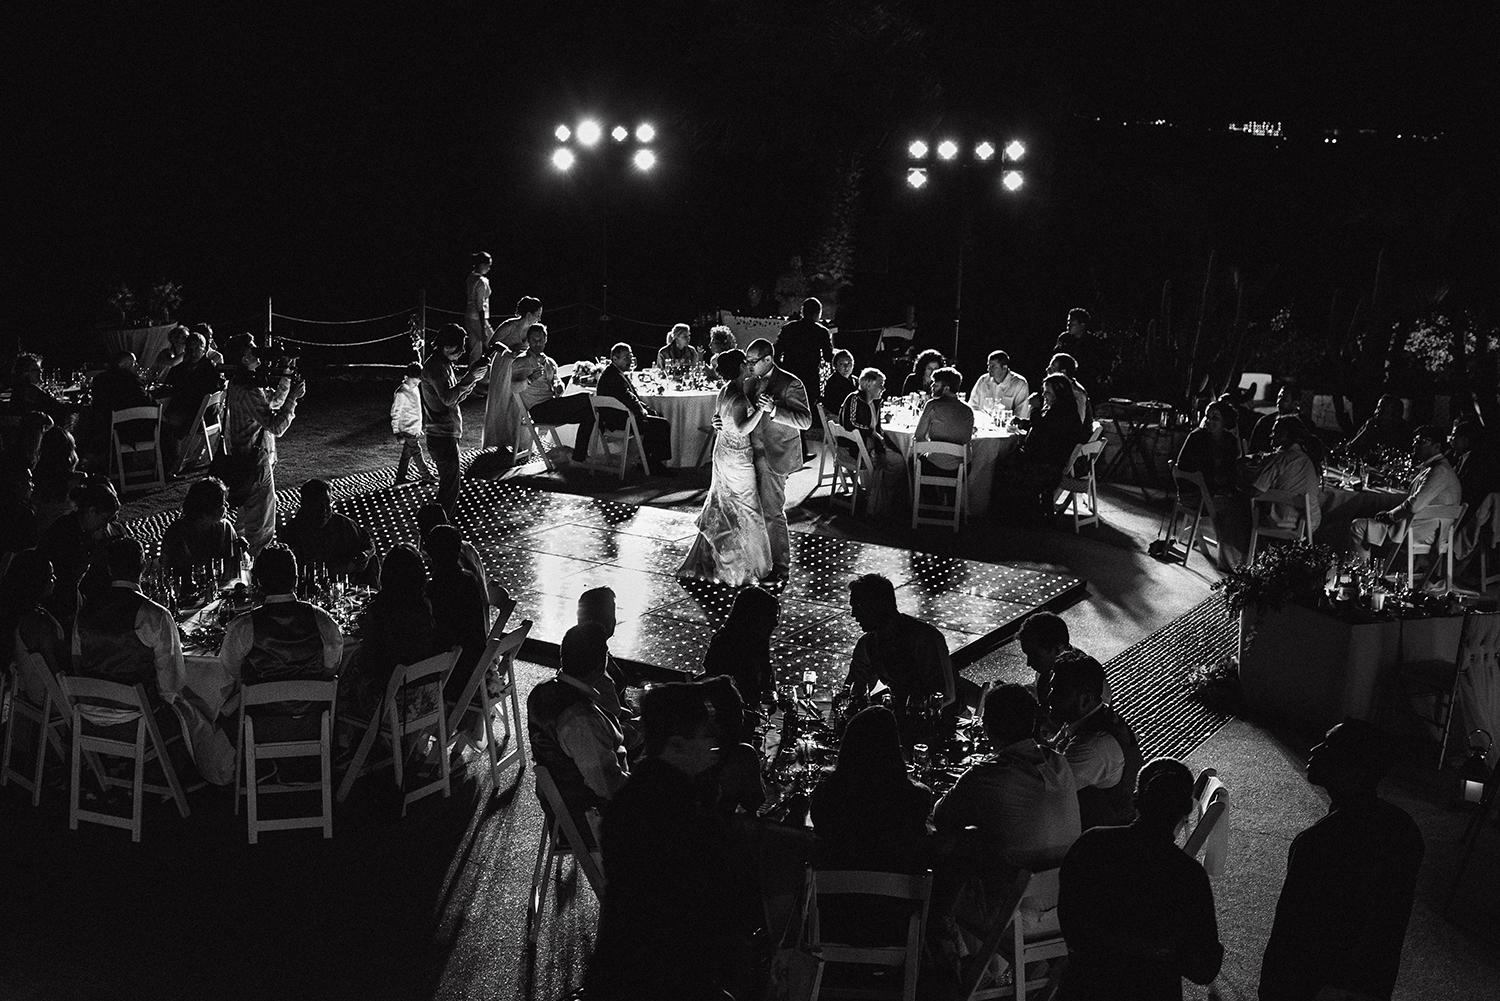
(985, 450)
(688, 411)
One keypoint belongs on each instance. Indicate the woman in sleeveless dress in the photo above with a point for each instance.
(732, 544)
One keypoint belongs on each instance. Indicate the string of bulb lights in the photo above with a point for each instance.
(589, 133)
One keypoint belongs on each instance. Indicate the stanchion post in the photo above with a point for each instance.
(422, 310)
(268, 320)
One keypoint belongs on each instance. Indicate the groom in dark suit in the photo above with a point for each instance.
(777, 441)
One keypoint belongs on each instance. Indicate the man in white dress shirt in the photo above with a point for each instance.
(999, 386)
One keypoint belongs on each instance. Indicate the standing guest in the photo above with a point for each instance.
(1000, 387)
(804, 346)
(1055, 432)
(670, 925)
(459, 612)
(190, 381)
(201, 533)
(54, 478)
(860, 413)
(910, 656)
(502, 410)
(614, 382)
(477, 306)
(256, 419)
(73, 541)
(1097, 741)
(321, 537)
(406, 425)
(839, 384)
(776, 442)
(24, 618)
(945, 418)
(534, 380)
(1435, 484)
(920, 380)
(677, 356)
(1350, 880)
(285, 639)
(118, 387)
(1290, 468)
(1066, 365)
(1386, 429)
(396, 628)
(742, 649)
(1137, 912)
(720, 339)
(27, 394)
(443, 390)
(1287, 402)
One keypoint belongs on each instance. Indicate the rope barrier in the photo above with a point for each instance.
(345, 344)
(342, 323)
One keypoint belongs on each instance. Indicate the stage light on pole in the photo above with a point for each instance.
(563, 133)
(1014, 150)
(619, 133)
(916, 177)
(1012, 180)
(947, 149)
(917, 150)
(984, 151)
(644, 159)
(588, 132)
(644, 132)
(562, 159)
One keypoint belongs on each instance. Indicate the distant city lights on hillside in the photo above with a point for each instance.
(1268, 129)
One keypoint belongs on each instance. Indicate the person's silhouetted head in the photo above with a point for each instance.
(584, 651)
(1350, 762)
(1043, 636)
(928, 362)
(207, 498)
(729, 364)
(317, 502)
(1064, 364)
(125, 560)
(754, 615)
(1164, 794)
(1426, 442)
(597, 605)
(1009, 714)
(873, 600)
(723, 697)
(947, 381)
(429, 516)
(1077, 687)
(445, 549)
(276, 570)
(870, 752)
(678, 728)
(403, 575)
(811, 308)
(529, 305)
(721, 339)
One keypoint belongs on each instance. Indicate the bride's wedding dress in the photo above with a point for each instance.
(732, 545)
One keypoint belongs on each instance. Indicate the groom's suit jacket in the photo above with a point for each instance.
(779, 434)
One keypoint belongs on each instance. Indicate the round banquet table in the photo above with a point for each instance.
(688, 411)
(985, 450)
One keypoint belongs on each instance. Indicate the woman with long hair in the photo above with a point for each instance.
(201, 533)
(742, 649)
(396, 627)
(920, 379)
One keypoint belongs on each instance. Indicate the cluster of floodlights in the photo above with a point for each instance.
(590, 133)
(984, 151)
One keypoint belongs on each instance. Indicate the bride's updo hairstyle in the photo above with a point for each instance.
(728, 364)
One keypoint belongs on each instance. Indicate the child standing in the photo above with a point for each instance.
(406, 425)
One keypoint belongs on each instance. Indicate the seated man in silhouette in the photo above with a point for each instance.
(597, 605)
(1350, 880)
(573, 735)
(906, 654)
(1044, 637)
(1100, 746)
(614, 382)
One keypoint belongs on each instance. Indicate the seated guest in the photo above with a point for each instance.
(1137, 912)
(945, 418)
(1470, 453)
(860, 413)
(201, 534)
(1044, 638)
(73, 540)
(1350, 880)
(1000, 387)
(735, 782)
(677, 356)
(839, 385)
(430, 516)
(25, 619)
(118, 387)
(322, 537)
(459, 611)
(396, 628)
(615, 384)
(123, 636)
(1098, 743)
(1386, 430)
(1435, 484)
(720, 339)
(534, 380)
(189, 382)
(285, 639)
(1290, 468)
(171, 355)
(673, 922)
(572, 734)
(1287, 402)
(18, 525)
(1066, 364)
(211, 350)
(920, 379)
(27, 394)
(597, 605)
(54, 478)
(742, 649)
(867, 812)
(908, 655)
(1055, 432)
(23, 446)
(1211, 449)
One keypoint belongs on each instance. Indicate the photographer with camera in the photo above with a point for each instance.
(261, 407)
(443, 390)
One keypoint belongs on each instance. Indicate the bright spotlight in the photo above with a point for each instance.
(917, 150)
(947, 149)
(563, 133)
(1014, 150)
(644, 159)
(588, 132)
(619, 133)
(984, 151)
(562, 159)
(644, 133)
(1012, 180)
(916, 177)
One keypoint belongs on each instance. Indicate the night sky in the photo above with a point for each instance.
(340, 159)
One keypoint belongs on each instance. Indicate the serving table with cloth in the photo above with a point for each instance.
(989, 444)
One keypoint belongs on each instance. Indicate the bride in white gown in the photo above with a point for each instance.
(732, 545)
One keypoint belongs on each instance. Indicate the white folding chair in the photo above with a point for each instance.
(1436, 682)
(253, 751)
(205, 433)
(1081, 492)
(97, 704)
(387, 719)
(1263, 525)
(560, 837)
(852, 469)
(1190, 503)
(940, 512)
(1210, 837)
(501, 702)
(608, 441)
(29, 675)
(1438, 522)
(906, 956)
(149, 476)
(827, 458)
(1029, 934)
(544, 439)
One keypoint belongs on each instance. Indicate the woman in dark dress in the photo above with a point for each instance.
(396, 628)
(1055, 431)
(742, 649)
(459, 611)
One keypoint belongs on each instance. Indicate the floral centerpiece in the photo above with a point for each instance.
(1280, 574)
(586, 373)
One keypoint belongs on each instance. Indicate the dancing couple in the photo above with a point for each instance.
(761, 414)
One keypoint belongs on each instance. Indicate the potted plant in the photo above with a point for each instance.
(1280, 574)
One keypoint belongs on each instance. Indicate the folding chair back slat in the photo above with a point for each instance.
(851, 469)
(252, 751)
(1081, 492)
(956, 480)
(627, 438)
(908, 954)
(1262, 506)
(152, 477)
(409, 681)
(49, 717)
